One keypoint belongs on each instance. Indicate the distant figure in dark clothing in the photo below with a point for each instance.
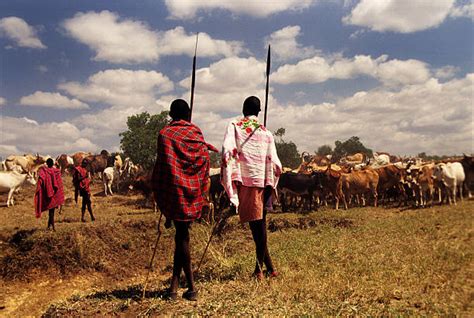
(49, 191)
(81, 182)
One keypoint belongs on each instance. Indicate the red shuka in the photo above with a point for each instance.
(181, 171)
(81, 179)
(49, 190)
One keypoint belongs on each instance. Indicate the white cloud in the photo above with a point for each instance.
(113, 39)
(463, 10)
(396, 72)
(176, 42)
(319, 69)
(3, 101)
(21, 135)
(285, 46)
(432, 117)
(119, 40)
(224, 85)
(120, 87)
(404, 16)
(187, 9)
(6, 150)
(52, 100)
(20, 32)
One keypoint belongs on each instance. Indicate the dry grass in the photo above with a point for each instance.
(365, 261)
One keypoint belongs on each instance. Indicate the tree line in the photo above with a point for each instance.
(139, 143)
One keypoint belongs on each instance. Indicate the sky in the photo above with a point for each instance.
(398, 74)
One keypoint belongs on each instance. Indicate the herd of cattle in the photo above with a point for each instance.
(17, 170)
(382, 178)
(352, 180)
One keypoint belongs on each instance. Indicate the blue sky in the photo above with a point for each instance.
(398, 74)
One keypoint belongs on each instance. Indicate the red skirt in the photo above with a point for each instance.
(250, 203)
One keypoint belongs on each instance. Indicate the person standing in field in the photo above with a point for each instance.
(49, 191)
(81, 181)
(250, 172)
(180, 179)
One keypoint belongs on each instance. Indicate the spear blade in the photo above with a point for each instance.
(266, 87)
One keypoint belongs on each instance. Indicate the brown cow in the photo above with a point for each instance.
(330, 184)
(424, 186)
(64, 162)
(97, 163)
(357, 157)
(390, 176)
(79, 156)
(358, 183)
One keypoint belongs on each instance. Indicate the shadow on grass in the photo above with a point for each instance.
(132, 292)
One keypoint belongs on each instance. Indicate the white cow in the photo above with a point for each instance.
(11, 181)
(381, 160)
(214, 171)
(108, 176)
(452, 175)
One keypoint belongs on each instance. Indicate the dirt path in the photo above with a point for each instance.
(32, 299)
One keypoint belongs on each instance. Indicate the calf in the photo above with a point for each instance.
(298, 184)
(217, 193)
(424, 186)
(143, 183)
(64, 162)
(11, 181)
(110, 175)
(452, 176)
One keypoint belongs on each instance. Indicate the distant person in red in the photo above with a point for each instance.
(180, 177)
(81, 181)
(49, 191)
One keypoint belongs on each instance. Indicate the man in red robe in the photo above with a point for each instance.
(81, 181)
(180, 178)
(49, 191)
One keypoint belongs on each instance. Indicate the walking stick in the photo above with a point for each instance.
(152, 256)
(214, 227)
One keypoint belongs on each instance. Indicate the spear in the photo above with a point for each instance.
(193, 77)
(266, 87)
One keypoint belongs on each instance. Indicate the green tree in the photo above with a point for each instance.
(139, 141)
(287, 151)
(349, 147)
(324, 150)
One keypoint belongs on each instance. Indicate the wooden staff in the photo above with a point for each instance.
(152, 256)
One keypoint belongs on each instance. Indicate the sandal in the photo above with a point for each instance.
(258, 275)
(272, 274)
(190, 295)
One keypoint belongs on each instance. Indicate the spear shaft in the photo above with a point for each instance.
(266, 87)
(193, 77)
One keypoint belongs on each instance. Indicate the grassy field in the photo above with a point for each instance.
(365, 261)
